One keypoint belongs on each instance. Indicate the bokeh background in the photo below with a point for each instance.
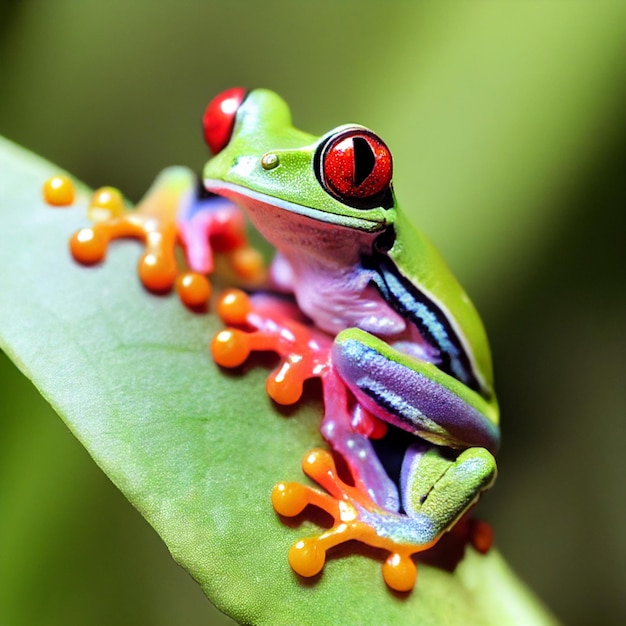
(506, 120)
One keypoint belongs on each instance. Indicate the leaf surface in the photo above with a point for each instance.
(195, 449)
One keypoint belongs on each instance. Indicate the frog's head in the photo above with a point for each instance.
(266, 165)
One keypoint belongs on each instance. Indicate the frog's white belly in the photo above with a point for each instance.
(338, 298)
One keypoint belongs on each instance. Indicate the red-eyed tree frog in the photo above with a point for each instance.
(406, 346)
(375, 313)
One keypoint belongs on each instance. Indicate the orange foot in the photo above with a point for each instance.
(165, 218)
(269, 323)
(355, 517)
(358, 517)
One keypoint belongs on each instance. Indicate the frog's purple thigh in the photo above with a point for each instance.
(412, 394)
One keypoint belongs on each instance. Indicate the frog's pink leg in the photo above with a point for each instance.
(274, 325)
(277, 325)
(348, 434)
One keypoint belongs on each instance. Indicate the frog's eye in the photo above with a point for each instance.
(219, 118)
(355, 166)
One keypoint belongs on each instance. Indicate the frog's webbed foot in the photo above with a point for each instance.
(439, 491)
(267, 323)
(355, 517)
(169, 215)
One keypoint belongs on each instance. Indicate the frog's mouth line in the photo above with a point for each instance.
(239, 194)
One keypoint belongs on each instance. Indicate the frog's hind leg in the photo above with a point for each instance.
(413, 395)
(434, 503)
(344, 430)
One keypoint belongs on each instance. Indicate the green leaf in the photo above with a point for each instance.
(195, 449)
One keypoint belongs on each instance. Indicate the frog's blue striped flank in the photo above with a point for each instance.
(407, 300)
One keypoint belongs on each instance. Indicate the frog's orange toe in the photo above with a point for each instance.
(481, 535)
(88, 246)
(290, 499)
(283, 387)
(307, 557)
(193, 289)
(106, 203)
(230, 347)
(157, 272)
(399, 572)
(248, 263)
(58, 191)
(234, 306)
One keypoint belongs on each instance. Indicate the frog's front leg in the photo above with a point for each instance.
(171, 214)
(266, 322)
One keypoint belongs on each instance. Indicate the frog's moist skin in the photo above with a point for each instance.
(376, 315)
(404, 344)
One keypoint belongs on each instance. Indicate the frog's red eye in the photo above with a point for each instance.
(355, 166)
(219, 118)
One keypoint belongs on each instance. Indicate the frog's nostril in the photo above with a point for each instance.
(269, 161)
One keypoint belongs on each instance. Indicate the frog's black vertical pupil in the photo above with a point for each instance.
(364, 160)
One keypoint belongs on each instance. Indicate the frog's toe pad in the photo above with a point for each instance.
(400, 572)
(307, 557)
(234, 307)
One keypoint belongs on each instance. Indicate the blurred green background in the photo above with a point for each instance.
(506, 120)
